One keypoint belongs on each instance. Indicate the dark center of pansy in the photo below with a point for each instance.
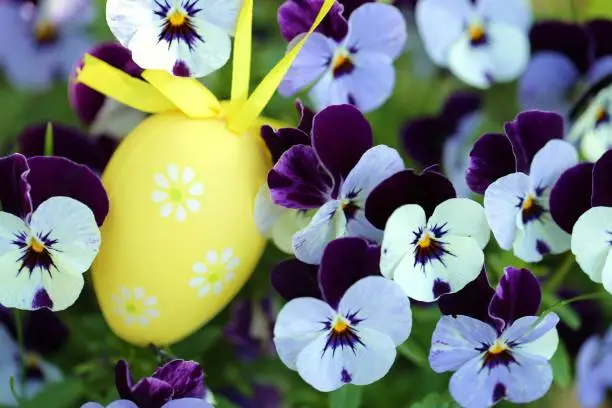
(531, 209)
(477, 34)
(428, 245)
(31, 363)
(342, 65)
(496, 354)
(177, 23)
(35, 251)
(45, 33)
(341, 333)
(350, 209)
(601, 116)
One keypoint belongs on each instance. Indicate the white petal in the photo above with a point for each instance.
(501, 201)
(516, 13)
(196, 189)
(221, 13)
(456, 269)
(226, 255)
(139, 293)
(115, 119)
(265, 212)
(377, 28)
(399, 234)
(207, 56)
(212, 258)
(440, 24)
(159, 196)
(591, 239)
(365, 364)
(595, 142)
(150, 301)
(63, 288)
(188, 175)
(321, 93)
(286, 226)
(299, 323)
(545, 346)
(504, 58)
(181, 213)
(150, 53)
(551, 161)
(327, 224)
(126, 17)
(173, 173)
(73, 225)
(380, 305)
(462, 217)
(161, 181)
(166, 209)
(542, 232)
(192, 205)
(199, 268)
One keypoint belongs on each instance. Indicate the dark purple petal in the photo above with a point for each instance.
(473, 300)
(85, 101)
(457, 106)
(518, 294)
(44, 332)
(124, 380)
(281, 140)
(151, 392)
(591, 319)
(263, 396)
(601, 32)
(68, 142)
(570, 197)
(427, 189)
(249, 319)
(344, 262)
(602, 181)
(491, 157)
(57, 176)
(15, 193)
(294, 279)
(42, 300)
(568, 39)
(529, 132)
(352, 5)
(306, 117)
(423, 139)
(299, 181)
(340, 136)
(296, 16)
(185, 377)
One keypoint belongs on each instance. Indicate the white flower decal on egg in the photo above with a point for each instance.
(214, 272)
(134, 306)
(177, 192)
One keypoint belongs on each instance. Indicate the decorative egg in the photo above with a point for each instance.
(180, 239)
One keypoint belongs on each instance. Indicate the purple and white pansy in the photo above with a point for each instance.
(498, 349)
(347, 332)
(188, 38)
(357, 69)
(49, 230)
(480, 41)
(593, 375)
(41, 42)
(334, 176)
(516, 173)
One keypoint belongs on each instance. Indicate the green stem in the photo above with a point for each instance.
(21, 345)
(557, 279)
(588, 296)
(573, 11)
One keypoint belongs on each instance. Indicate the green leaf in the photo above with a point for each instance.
(48, 149)
(565, 312)
(63, 394)
(348, 396)
(436, 401)
(198, 343)
(562, 370)
(221, 402)
(413, 352)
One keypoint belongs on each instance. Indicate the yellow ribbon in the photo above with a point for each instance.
(163, 92)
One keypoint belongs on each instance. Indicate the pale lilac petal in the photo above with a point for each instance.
(187, 403)
(525, 330)
(516, 13)
(550, 162)
(371, 83)
(539, 237)
(471, 386)
(600, 69)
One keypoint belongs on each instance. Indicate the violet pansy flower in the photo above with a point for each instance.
(334, 176)
(481, 41)
(357, 70)
(250, 327)
(49, 234)
(41, 43)
(516, 173)
(295, 17)
(176, 384)
(445, 139)
(184, 37)
(594, 370)
(103, 115)
(351, 335)
(500, 350)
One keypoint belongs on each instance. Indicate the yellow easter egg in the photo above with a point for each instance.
(180, 239)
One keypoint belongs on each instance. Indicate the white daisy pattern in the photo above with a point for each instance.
(135, 306)
(214, 272)
(177, 192)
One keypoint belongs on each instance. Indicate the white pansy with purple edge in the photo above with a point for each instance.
(333, 177)
(481, 41)
(184, 37)
(593, 129)
(432, 257)
(517, 205)
(357, 70)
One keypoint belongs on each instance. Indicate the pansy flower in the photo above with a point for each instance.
(176, 384)
(356, 70)
(43, 334)
(516, 172)
(295, 17)
(104, 116)
(445, 139)
(250, 327)
(42, 42)
(49, 234)
(480, 41)
(347, 332)
(564, 54)
(333, 176)
(593, 374)
(500, 350)
(184, 37)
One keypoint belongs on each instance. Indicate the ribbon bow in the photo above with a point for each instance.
(163, 92)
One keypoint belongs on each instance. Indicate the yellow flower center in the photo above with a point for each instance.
(528, 203)
(340, 326)
(497, 348)
(601, 114)
(215, 276)
(342, 64)
(131, 308)
(45, 32)
(476, 32)
(425, 241)
(176, 195)
(177, 18)
(37, 246)
(31, 360)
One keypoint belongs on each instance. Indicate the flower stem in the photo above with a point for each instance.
(21, 344)
(588, 296)
(557, 279)
(573, 11)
